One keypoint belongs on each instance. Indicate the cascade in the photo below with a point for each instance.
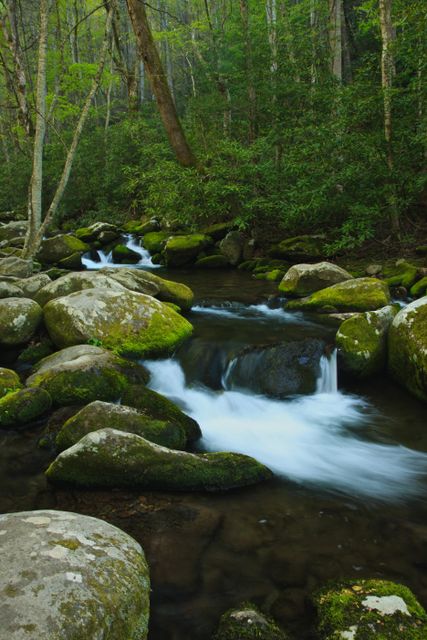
(328, 379)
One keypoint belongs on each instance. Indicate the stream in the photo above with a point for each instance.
(350, 464)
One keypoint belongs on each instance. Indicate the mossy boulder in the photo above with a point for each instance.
(218, 231)
(84, 373)
(23, 406)
(157, 407)
(369, 610)
(124, 321)
(231, 247)
(103, 415)
(16, 267)
(71, 577)
(407, 348)
(360, 294)
(155, 241)
(37, 350)
(305, 247)
(248, 623)
(111, 458)
(419, 288)
(273, 275)
(13, 229)
(122, 254)
(31, 286)
(55, 249)
(74, 261)
(182, 250)
(19, 320)
(9, 381)
(10, 290)
(98, 231)
(362, 342)
(151, 284)
(303, 279)
(142, 228)
(72, 282)
(212, 262)
(403, 275)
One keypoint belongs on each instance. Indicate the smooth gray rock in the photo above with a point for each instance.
(19, 319)
(10, 290)
(303, 279)
(13, 266)
(30, 286)
(70, 577)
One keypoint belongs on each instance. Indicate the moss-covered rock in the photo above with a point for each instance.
(13, 229)
(231, 247)
(273, 275)
(155, 241)
(9, 381)
(419, 288)
(103, 415)
(122, 254)
(156, 406)
(23, 406)
(127, 322)
(407, 348)
(19, 319)
(74, 261)
(142, 228)
(182, 250)
(362, 342)
(59, 247)
(369, 610)
(218, 231)
(36, 351)
(72, 282)
(212, 262)
(305, 247)
(16, 267)
(248, 623)
(403, 275)
(304, 279)
(99, 230)
(71, 577)
(360, 294)
(247, 265)
(111, 458)
(31, 286)
(10, 290)
(82, 374)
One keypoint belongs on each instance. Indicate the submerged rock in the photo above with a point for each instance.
(303, 279)
(127, 322)
(84, 373)
(23, 406)
(102, 415)
(248, 623)
(407, 348)
(111, 458)
(360, 294)
(362, 342)
(55, 249)
(282, 370)
(182, 250)
(369, 609)
(73, 577)
(19, 319)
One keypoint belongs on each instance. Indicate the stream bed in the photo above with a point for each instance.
(347, 500)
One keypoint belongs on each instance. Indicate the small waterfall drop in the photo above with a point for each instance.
(107, 259)
(133, 244)
(104, 260)
(328, 379)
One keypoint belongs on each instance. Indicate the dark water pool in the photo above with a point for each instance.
(276, 543)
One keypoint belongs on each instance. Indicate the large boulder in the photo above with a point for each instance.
(280, 370)
(84, 373)
(19, 319)
(219, 230)
(72, 577)
(127, 322)
(155, 241)
(303, 279)
(304, 247)
(151, 284)
(31, 286)
(62, 246)
(248, 623)
(99, 231)
(15, 229)
(10, 290)
(369, 609)
(360, 294)
(182, 250)
(23, 406)
(73, 282)
(111, 458)
(123, 254)
(362, 342)
(16, 267)
(231, 247)
(407, 348)
(102, 415)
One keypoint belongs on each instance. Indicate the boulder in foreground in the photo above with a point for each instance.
(71, 577)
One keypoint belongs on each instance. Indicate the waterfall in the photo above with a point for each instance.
(328, 379)
(104, 260)
(145, 260)
(107, 259)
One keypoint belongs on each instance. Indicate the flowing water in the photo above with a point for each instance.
(106, 259)
(350, 469)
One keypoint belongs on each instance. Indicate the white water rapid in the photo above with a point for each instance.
(107, 259)
(313, 440)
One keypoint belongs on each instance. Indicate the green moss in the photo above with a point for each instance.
(299, 247)
(341, 606)
(271, 276)
(71, 544)
(155, 241)
(121, 253)
(405, 276)
(181, 250)
(212, 262)
(419, 288)
(360, 294)
(156, 406)
(36, 352)
(23, 406)
(9, 381)
(247, 623)
(247, 265)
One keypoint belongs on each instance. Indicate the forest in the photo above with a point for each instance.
(295, 115)
(213, 319)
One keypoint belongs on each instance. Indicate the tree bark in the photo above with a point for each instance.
(244, 12)
(159, 85)
(336, 19)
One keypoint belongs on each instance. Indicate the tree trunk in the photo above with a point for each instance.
(387, 74)
(336, 18)
(36, 182)
(159, 85)
(244, 12)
